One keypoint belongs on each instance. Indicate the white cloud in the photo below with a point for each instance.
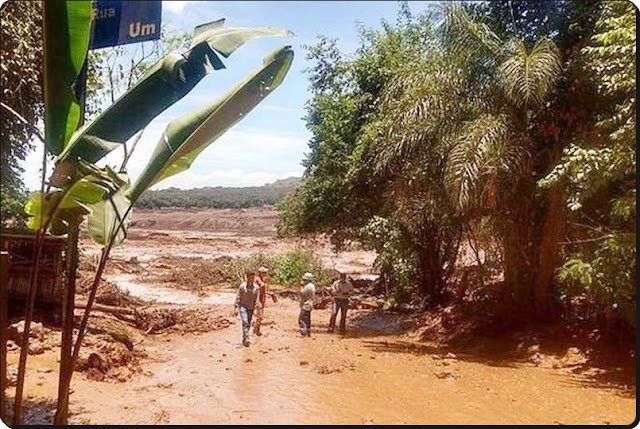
(241, 157)
(244, 157)
(228, 178)
(175, 6)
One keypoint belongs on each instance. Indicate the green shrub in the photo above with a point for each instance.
(291, 266)
(285, 269)
(237, 267)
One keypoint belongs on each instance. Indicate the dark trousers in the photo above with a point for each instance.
(341, 305)
(304, 320)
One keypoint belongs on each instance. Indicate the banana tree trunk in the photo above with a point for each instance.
(68, 306)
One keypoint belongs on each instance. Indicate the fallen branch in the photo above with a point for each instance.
(106, 308)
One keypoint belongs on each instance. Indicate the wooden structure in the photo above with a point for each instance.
(20, 247)
(4, 327)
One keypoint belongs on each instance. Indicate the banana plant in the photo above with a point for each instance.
(162, 85)
(77, 187)
(165, 83)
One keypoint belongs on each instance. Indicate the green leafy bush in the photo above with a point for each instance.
(236, 268)
(291, 266)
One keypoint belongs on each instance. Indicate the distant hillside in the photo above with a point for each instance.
(219, 197)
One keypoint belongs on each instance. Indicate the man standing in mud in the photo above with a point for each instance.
(262, 299)
(340, 290)
(245, 304)
(307, 301)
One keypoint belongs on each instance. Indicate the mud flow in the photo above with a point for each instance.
(172, 353)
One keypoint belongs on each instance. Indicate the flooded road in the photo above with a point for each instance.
(363, 377)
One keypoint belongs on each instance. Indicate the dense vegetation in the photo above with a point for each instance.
(501, 133)
(21, 58)
(219, 197)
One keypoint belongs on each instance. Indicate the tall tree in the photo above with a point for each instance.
(21, 83)
(598, 171)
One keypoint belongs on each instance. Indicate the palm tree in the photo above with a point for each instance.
(469, 115)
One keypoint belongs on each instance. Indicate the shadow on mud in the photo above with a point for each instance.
(34, 412)
(595, 364)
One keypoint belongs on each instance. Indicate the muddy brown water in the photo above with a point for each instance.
(362, 377)
(372, 375)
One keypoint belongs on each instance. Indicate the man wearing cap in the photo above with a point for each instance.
(245, 304)
(307, 301)
(340, 290)
(262, 299)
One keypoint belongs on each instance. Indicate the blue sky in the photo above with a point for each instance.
(271, 141)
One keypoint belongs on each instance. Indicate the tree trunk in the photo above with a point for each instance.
(430, 272)
(64, 382)
(520, 261)
(550, 230)
(530, 239)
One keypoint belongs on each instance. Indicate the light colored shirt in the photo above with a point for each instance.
(307, 296)
(341, 289)
(247, 297)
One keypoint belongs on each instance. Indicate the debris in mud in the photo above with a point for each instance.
(181, 320)
(12, 375)
(155, 319)
(330, 369)
(129, 266)
(107, 350)
(194, 274)
(16, 331)
(39, 341)
(304, 362)
(370, 303)
(107, 360)
(108, 293)
(445, 375)
(161, 417)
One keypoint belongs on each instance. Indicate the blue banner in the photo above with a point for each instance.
(121, 22)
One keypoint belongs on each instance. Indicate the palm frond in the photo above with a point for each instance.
(421, 107)
(467, 35)
(527, 78)
(473, 158)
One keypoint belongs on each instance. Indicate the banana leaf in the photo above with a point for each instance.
(186, 137)
(71, 202)
(166, 82)
(110, 218)
(67, 27)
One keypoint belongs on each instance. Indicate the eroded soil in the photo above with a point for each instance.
(381, 371)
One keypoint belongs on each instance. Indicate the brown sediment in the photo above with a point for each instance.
(180, 359)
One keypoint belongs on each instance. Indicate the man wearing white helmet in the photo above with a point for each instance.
(307, 301)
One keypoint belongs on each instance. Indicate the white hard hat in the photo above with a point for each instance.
(307, 276)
